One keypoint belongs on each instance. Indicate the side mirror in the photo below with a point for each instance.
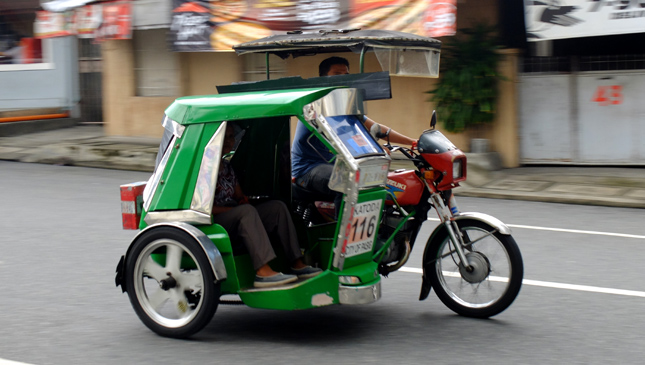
(433, 120)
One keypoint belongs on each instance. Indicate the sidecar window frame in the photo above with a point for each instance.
(206, 184)
(172, 131)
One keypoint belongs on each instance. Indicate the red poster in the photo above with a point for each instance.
(117, 21)
(88, 20)
(430, 18)
(48, 24)
(440, 18)
(108, 20)
(359, 7)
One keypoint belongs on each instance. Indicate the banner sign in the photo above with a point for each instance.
(116, 21)
(558, 19)
(190, 28)
(108, 20)
(88, 20)
(214, 25)
(48, 24)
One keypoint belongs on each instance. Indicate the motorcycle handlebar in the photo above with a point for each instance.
(406, 152)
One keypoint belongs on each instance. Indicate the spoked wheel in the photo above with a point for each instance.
(492, 281)
(170, 283)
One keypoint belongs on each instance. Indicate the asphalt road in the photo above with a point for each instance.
(61, 237)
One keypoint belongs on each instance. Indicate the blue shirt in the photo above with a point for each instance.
(303, 156)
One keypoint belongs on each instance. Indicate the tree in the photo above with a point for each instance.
(466, 93)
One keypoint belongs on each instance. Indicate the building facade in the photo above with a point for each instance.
(142, 76)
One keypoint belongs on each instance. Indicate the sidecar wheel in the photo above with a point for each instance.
(170, 283)
(494, 281)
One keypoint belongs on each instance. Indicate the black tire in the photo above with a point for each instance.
(176, 305)
(491, 287)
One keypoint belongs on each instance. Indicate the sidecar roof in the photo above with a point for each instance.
(245, 105)
(298, 43)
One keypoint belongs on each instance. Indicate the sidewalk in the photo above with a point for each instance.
(607, 186)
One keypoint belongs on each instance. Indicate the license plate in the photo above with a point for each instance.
(373, 175)
(362, 229)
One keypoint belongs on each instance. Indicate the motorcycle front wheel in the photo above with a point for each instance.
(170, 283)
(489, 285)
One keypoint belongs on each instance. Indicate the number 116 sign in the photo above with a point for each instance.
(362, 228)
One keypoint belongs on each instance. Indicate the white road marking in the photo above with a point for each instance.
(9, 362)
(547, 284)
(569, 230)
(578, 231)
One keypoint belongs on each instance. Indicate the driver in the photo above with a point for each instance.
(311, 162)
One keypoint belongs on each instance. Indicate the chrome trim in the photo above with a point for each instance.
(343, 179)
(348, 279)
(359, 294)
(343, 168)
(204, 193)
(338, 102)
(183, 216)
(283, 287)
(170, 125)
(151, 186)
(211, 251)
(344, 175)
(367, 162)
(488, 219)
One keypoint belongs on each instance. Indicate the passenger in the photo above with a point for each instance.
(252, 224)
(310, 159)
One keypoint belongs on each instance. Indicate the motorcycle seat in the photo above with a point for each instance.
(300, 193)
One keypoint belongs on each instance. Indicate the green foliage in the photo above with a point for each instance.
(466, 94)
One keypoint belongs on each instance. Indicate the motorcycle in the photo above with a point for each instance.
(470, 259)
(181, 266)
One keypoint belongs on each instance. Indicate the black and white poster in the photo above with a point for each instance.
(190, 28)
(559, 19)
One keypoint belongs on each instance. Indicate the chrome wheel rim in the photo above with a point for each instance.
(490, 278)
(169, 294)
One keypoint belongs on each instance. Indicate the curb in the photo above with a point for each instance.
(549, 198)
(12, 129)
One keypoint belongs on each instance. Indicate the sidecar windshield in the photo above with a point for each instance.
(354, 135)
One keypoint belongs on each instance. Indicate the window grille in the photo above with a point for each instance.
(554, 65)
(155, 66)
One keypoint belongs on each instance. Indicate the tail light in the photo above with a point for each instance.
(132, 204)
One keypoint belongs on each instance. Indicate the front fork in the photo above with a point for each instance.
(446, 216)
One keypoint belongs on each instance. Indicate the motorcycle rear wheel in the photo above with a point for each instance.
(497, 273)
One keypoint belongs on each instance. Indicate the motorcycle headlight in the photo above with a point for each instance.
(457, 169)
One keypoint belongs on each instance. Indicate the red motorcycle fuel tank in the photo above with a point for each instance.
(406, 187)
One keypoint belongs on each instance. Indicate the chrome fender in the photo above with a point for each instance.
(485, 218)
(488, 219)
(211, 251)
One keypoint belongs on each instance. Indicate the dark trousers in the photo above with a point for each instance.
(317, 179)
(251, 225)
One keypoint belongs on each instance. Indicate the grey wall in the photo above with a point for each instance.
(151, 14)
(587, 118)
(57, 86)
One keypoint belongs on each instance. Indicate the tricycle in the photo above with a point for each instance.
(181, 265)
